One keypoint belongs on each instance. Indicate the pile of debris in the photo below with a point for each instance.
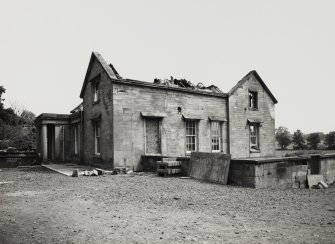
(183, 83)
(317, 182)
(97, 172)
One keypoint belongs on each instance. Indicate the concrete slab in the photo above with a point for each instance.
(67, 169)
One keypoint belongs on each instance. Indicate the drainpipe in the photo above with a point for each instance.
(63, 144)
(82, 139)
(228, 126)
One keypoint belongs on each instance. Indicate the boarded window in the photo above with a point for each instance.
(75, 138)
(152, 136)
(191, 136)
(216, 136)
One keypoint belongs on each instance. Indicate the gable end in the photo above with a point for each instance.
(245, 78)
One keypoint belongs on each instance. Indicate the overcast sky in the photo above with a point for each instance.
(46, 45)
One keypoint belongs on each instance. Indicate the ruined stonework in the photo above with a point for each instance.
(122, 120)
(240, 113)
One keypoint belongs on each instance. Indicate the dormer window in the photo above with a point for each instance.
(253, 100)
(96, 92)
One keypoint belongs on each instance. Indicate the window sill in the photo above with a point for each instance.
(153, 154)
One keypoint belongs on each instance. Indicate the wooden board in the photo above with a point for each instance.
(212, 167)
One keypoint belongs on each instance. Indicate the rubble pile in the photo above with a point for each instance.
(183, 83)
(98, 172)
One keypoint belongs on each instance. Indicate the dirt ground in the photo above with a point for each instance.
(40, 206)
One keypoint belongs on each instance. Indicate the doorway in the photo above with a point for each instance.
(152, 136)
(51, 141)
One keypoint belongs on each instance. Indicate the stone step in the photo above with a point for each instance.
(169, 163)
(168, 171)
(169, 159)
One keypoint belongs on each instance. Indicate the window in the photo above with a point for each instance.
(254, 137)
(253, 103)
(75, 138)
(216, 136)
(97, 132)
(96, 93)
(191, 136)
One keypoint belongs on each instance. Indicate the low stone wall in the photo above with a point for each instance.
(15, 159)
(287, 172)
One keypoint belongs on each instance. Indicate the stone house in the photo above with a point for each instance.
(121, 121)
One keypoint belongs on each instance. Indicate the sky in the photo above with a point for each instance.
(45, 47)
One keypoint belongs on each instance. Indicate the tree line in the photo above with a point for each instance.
(17, 129)
(316, 140)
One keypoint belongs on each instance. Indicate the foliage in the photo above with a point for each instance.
(27, 117)
(16, 130)
(330, 140)
(298, 140)
(313, 140)
(283, 137)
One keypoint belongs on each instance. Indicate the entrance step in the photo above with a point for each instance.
(168, 168)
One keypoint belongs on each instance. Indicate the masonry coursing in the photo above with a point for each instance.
(125, 106)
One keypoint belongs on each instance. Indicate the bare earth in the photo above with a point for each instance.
(41, 206)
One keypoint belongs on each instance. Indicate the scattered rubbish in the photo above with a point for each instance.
(6, 182)
(177, 198)
(185, 178)
(131, 173)
(75, 173)
(94, 173)
(110, 172)
(0, 170)
(90, 173)
(323, 184)
(121, 170)
(313, 180)
(100, 171)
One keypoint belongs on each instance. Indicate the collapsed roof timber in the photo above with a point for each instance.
(187, 84)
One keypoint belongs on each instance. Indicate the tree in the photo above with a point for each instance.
(16, 130)
(313, 140)
(283, 137)
(330, 140)
(2, 91)
(298, 140)
(27, 117)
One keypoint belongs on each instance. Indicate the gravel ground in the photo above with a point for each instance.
(40, 206)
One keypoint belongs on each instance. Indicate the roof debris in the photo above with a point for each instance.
(183, 83)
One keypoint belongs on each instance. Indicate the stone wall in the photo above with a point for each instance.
(103, 111)
(15, 159)
(239, 113)
(129, 101)
(288, 172)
